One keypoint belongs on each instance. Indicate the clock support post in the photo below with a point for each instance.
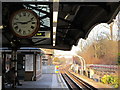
(14, 61)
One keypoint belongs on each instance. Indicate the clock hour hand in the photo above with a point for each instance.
(25, 22)
(30, 20)
(21, 22)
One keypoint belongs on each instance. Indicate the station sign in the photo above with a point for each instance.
(42, 34)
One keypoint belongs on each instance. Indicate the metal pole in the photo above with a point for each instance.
(14, 61)
(83, 64)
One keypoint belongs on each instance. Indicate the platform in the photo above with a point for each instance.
(97, 85)
(47, 81)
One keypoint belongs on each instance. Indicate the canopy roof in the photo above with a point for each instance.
(75, 20)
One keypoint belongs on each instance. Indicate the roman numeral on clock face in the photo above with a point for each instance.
(16, 18)
(24, 32)
(16, 27)
(33, 22)
(20, 15)
(28, 14)
(15, 24)
(19, 30)
(29, 30)
(32, 27)
(32, 18)
(24, 13)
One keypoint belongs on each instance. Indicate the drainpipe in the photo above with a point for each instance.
(34, 68)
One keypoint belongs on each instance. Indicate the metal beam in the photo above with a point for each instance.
(45, 16)
(39, 41)
(40, 10)
(64, 20)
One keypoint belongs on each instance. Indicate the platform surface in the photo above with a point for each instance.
(95, 84)
(46, 81)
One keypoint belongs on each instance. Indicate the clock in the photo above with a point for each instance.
(24, 23)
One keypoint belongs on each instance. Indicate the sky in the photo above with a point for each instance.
(101, 30)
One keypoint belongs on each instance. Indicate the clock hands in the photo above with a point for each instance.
(28, 21)
(25, 22)
(21, 22)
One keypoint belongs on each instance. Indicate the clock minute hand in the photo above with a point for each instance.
(30, 20)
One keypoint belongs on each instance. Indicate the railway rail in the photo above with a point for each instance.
(75, 83)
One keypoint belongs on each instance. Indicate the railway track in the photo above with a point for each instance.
(75, 83)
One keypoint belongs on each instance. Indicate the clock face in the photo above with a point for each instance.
(24, 23)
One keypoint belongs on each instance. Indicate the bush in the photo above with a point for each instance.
(113, 80)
